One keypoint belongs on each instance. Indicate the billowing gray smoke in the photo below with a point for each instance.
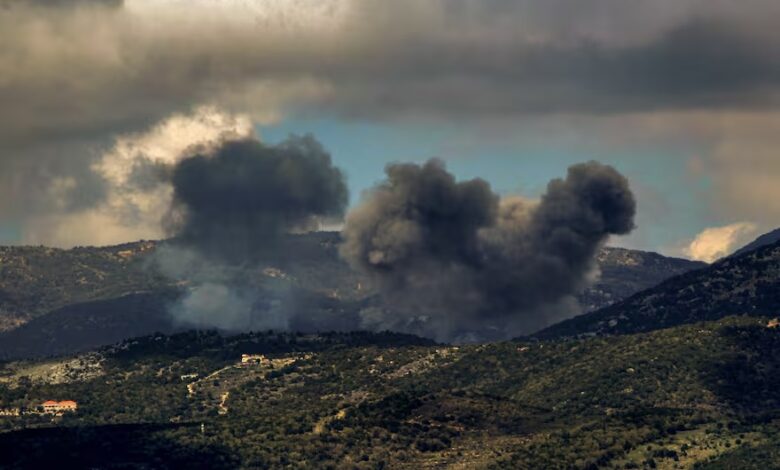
(454, 262)
(239, 199)
(232, 207)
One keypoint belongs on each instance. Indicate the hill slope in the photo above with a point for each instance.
(745, 284)
(625, 272)
(765, 239)
(62, 301)
(37, 280)
(87, 325)
(705, 395)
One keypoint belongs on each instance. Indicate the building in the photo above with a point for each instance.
(59, 407)
(252, 359)
(10, 412)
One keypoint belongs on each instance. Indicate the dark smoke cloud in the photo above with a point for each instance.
(233, 209)
(454, 262)
(242, 197)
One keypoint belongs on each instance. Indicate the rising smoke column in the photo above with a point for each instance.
(233, 204)
(453, 261)
(240, 199)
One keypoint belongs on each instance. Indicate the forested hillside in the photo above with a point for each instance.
(748, 284)
(697, 396)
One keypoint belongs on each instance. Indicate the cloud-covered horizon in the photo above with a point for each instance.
(79, 77)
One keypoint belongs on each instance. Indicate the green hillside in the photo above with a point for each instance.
(748, 284)
(37, 280)
(697, 396)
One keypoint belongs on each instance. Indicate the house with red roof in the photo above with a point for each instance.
(59, 407)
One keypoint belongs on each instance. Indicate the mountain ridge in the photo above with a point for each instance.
(746, 284)
(55, 301)
(763, 240)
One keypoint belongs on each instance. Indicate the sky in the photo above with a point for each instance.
(681, 96)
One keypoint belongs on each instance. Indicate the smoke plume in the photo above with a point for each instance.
(233, 204)
(453, 261)
(242, 197)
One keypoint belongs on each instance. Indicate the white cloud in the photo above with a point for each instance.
(131, 211)
(716, 242)
(166, 142)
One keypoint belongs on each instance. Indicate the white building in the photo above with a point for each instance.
(252, 359)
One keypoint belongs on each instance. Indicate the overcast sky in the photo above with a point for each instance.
(679, 95)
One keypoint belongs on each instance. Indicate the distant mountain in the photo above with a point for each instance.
(763, 240)
(625, 272)
(745, 284)
(35, 280)
(62, 301)
(56, 301)
(86, 325)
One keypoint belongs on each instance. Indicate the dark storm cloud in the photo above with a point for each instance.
(700, 64)
(72, 76)
(48, 177)
(454, 262)
(239, 199)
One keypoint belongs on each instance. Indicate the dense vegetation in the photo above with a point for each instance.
(37, 280)
(705, 395)
(741, 285)
(768, 238)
